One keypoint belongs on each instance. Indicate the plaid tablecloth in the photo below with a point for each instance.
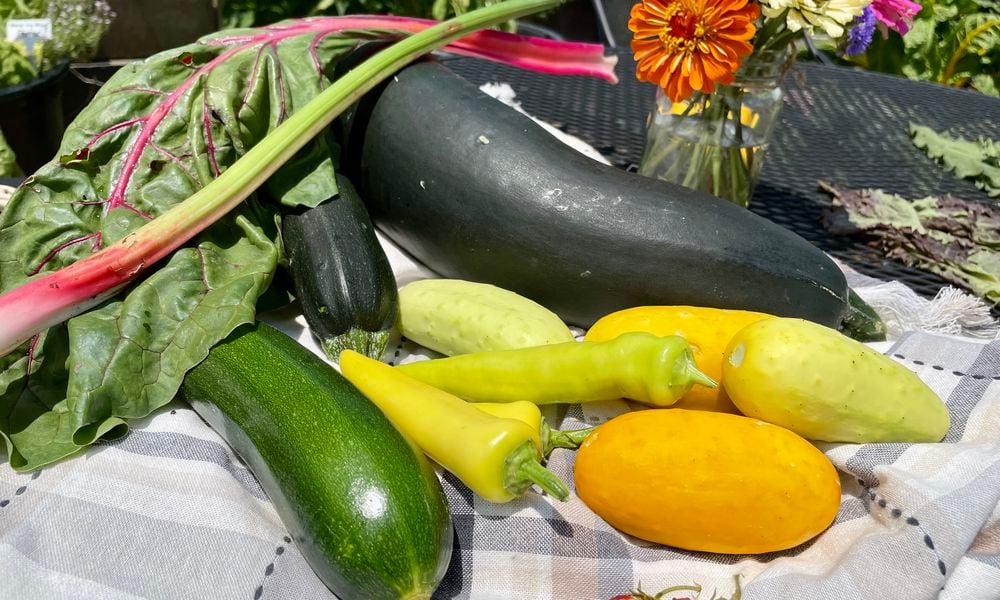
(170, 512)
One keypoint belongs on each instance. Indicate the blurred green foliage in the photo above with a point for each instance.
(8, 162)
(15, 67)
(250, 13)
(77, 27)
(22, 9)
(953, 42)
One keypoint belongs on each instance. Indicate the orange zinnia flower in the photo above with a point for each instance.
(687, 45)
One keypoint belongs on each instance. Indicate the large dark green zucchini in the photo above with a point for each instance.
(341, 275)
(364, 507)
(477, 191)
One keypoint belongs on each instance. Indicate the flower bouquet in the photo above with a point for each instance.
(719, 64)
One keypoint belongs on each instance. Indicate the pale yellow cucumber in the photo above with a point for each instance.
(827, 387)
(452, 316)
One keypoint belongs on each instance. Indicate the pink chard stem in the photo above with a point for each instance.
(536, 54)
(54, 297)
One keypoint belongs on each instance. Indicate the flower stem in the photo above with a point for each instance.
(739, 194)
(740, 172)
(677, 141)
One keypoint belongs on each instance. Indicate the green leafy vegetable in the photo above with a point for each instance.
(957, 239)
(155, 134)
(979, 160)
(185, 124)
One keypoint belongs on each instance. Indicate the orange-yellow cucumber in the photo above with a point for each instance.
(497, 458)
(640, 366)
(528, 413)
(707, 481)
(707, 331)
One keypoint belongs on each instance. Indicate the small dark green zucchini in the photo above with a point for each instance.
(364, 506)
(475, 190)
(341, 275)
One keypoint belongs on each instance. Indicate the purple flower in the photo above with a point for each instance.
(860, 35)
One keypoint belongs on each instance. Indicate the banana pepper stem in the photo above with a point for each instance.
(523, 470)
(640, 366)
(528, 413)
(497, 458)
(555, 438)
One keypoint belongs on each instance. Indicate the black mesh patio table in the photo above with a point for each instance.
(841, 125)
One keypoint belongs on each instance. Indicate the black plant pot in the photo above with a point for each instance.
(31, 117)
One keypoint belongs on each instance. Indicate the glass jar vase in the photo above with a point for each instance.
(716, 142)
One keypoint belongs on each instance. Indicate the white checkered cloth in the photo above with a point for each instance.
(170, 512)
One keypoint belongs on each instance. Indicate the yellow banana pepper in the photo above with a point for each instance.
(498, 458)
(529, 414)
(707, 331)
(639, 366)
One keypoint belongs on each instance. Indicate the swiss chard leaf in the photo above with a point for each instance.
(978, 160)
(157, 132)
(954, 238)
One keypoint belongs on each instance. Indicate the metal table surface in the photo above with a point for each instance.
(841, 125)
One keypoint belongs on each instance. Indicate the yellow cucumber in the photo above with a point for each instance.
(707, 481)
(825, 386)
(452, 316)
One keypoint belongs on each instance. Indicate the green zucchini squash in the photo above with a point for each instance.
(475, 190)
(341, 275)
(363, 505)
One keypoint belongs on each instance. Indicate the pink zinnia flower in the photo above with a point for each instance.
(896, 14)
